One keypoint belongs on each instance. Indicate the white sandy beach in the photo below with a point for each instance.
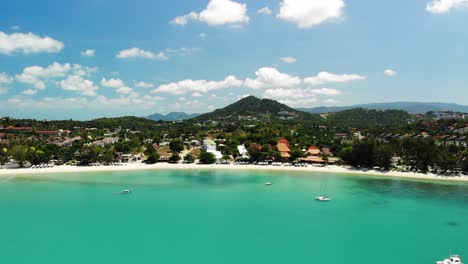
(165, 166)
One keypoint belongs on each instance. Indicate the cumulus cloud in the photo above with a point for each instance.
(78, 84)
(390, 72)
(88, 53)
(445, 6)
(218, 12)
(326, 77)
(38, 75)
(268, 77)
(299, 97)
(293, 97)
(117, 84)
(5, 78)
(96, 103)
(288, 59)
(30, 92)
(144, 85)
(309, 13)
(139, 53)
(201, 86)
(264, 11)
(28, 43)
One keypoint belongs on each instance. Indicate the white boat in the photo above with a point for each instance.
(126, 192)
(323, 198)
(268, 183)
(453, 259)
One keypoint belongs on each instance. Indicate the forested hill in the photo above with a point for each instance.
(253, 108)
(362, 118)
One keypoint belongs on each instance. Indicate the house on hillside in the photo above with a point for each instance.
(48, 133)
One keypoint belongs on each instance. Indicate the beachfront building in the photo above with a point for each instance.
(209, 144)
(244, 154)
(283, 147)
(313, 155)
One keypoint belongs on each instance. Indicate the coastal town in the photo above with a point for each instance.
(436, 145)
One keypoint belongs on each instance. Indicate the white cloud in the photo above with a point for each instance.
(202, 35)
(326, 77)
(5, 78)
(218, 12)
(117, 84)
(309, 13)
(288, 59)
(30, 92)
(299, 97)
(112, 83)
(201, 86)
(88, 53)
(28, 43)
(37, 75)
(390, 72)
(183, 20)
(15, 27)
(268, 77)
(445, 6)
(97, 103)
(144, 85)
(197, 94)
(124, 90)
(78, 84)
(293, 97)
(139, 53)
(264, 11)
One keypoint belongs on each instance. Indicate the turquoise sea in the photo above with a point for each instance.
(176, 216)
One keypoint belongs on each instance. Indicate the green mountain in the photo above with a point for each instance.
(252, 108)
(411, 107)
(172, 116)
(361, 117)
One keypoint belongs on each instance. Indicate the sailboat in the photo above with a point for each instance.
(323, 197)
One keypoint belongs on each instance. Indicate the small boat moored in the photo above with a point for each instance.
(453, 259)
(127, 191)
(268, 183)
(323, 198)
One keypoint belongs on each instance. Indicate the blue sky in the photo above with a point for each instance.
(83, 59)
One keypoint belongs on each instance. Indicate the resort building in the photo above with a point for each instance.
(284, 148)
(209, 144)
(243, 152)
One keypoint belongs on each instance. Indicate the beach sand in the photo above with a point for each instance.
(166, 166)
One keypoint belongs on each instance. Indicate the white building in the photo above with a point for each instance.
(209, 145)
(243, 152)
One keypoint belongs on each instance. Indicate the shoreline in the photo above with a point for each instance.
(166, 166)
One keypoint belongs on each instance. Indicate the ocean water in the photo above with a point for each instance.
(179, 216)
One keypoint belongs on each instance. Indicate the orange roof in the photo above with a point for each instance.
(282, 147)
(285, 154)
(284, 141)
(314, 150)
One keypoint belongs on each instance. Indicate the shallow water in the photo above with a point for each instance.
(180, 216)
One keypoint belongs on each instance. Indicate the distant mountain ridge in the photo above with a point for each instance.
(410, 107)
(172, 116)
